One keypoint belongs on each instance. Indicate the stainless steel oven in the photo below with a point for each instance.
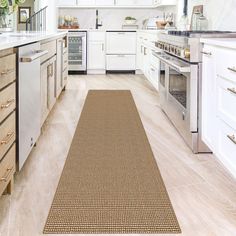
(178, 88)
(77, 51)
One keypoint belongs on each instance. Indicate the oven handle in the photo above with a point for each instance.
(185, 69)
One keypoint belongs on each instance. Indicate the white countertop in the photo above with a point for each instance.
(105, 30)
(15, 39)
(221, 42)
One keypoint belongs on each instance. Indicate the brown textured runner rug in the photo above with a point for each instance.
(110, 182)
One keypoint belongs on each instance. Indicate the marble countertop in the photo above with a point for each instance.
(221, 42)
(105, 30)
(16, 39)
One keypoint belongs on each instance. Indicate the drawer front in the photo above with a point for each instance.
(51, 47)
(7, 168)
(227, 144)
(7, 101)
(96, 36)
(226, 64)
(121, 62)
(7, 70)
(226, 101)
(121, 43)
(7, 134)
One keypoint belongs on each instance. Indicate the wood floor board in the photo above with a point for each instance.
(201, 190)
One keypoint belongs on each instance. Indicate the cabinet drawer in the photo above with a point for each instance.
(227, 144)
(121, 62)
(7, 70)
(121, 43)
(51, 47)
(7, 134)
(7, 168)
(7, 101)
(226, 101)
(96, 36)
(226, 64)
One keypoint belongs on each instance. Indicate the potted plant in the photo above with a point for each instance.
(130, 20)
(7, 7)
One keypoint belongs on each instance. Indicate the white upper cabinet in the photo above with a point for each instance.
(164, 2)
(66, 2)
(134, 3)
(86, 2)
(116, 3)
(105, 2)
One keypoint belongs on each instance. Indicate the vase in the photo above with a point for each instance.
(3, 21)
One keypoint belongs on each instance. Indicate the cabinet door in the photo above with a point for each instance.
(86, 2)
(59, 67)
(121, 42)
(96, 55)
(44, 92)
(66, 2)
(164, 2)
(139, 59)
(51, 83)
(124, 2)
(208, 98)
(143, 2)
(105, 2)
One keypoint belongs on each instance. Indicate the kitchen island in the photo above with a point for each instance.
(33, 73)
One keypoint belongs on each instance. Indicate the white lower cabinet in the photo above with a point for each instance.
(96, 56)
(208, 93)
(96, 52)
(121, 42)
(218, 103)
(227, 145)
(120, 62)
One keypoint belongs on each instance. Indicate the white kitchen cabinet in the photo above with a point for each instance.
(51, 83)
(121, 42)
(96, 56)
(48, 87)
(66, 2)
(86, 2)
(164, 2)
(96, 52)
(105, 2)
(120, 62)
(135, 3)
(208, 97)
(219, 102)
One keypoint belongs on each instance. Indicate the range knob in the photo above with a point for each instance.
(187, 53)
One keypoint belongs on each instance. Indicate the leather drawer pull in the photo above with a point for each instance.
(6, 176)
(6, 72)
(8, 104)
(8, 138)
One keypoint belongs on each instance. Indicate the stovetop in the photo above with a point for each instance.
(201, 34)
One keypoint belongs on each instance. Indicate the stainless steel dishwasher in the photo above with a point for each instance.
(29, 106)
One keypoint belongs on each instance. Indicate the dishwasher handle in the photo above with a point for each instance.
(36, 55)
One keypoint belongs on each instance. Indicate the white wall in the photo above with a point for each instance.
(51, 13)
(111, 18)
(220, 13)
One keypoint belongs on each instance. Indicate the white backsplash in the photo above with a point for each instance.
(112, 18)
(220, 13)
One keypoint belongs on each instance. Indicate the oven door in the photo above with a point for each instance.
(179, 95)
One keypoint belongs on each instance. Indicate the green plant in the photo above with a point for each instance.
(5, 7)
(130, 18)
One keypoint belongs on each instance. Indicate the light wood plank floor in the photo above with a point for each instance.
(202, 192)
